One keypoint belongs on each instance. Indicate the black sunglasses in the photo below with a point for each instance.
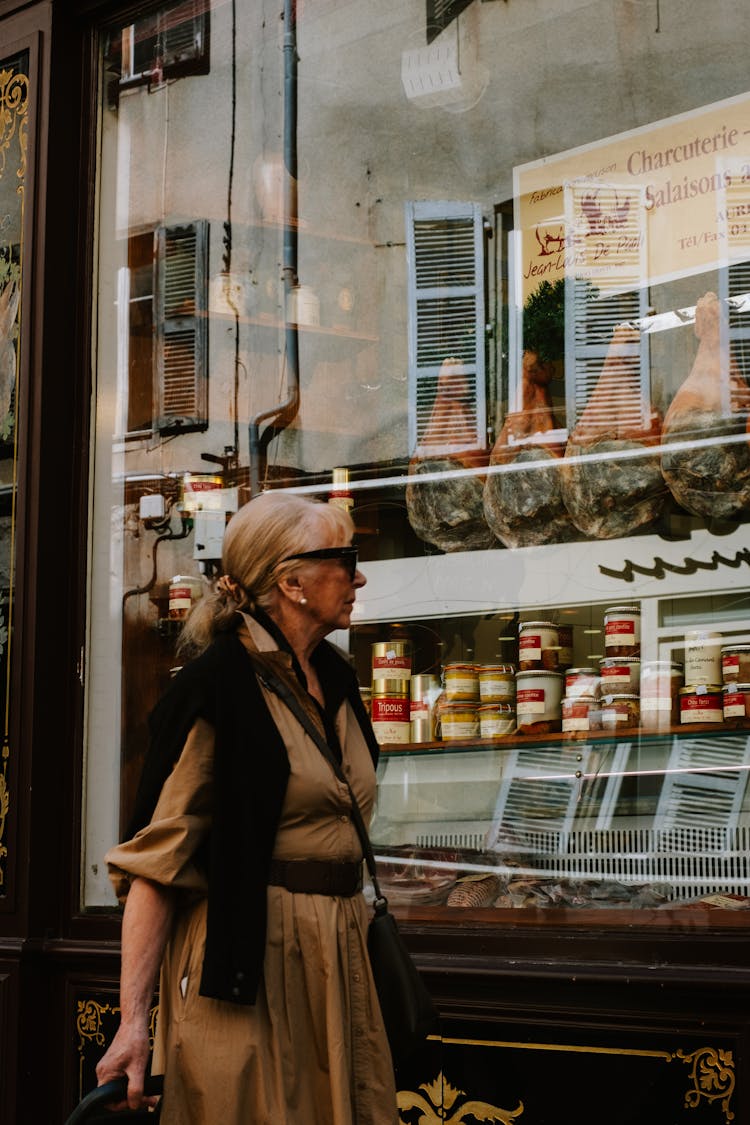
(348, 556)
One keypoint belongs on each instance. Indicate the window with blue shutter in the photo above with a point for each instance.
(445, 265)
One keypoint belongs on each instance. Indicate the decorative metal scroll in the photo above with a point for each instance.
(14, 106)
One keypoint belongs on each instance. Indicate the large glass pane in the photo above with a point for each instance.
(482, 278)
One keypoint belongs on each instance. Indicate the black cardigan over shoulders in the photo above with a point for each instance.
(251, 770)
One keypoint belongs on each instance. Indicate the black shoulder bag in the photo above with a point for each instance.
(408, 1011)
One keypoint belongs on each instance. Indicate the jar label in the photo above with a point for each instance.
(656, 703)
(458, 729)
(530, 701)
(730, 663)
(496, 728)
(615, 713)
(530, 647)
(617, 674)
(619, 632)
(495, 689)
(575, 716)
(391, 662)
(419, 708)
(390, 710)
(734, 705)
(700, 709)
(391, 732)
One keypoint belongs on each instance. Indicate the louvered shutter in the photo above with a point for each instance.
(441, 13)
(182, 33)
(605, 224)
(181, 303)
(445, 264)
(734, 280)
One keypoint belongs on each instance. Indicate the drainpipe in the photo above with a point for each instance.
(280, 416)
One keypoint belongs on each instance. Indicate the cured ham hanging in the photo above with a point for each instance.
(448, 511)
(612, 482)
(710, 479)
(524, 506)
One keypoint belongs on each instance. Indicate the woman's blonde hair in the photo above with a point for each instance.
(258, 538)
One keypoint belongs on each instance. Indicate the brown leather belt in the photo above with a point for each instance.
(316, 876)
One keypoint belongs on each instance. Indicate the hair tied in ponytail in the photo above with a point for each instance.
(229, 588)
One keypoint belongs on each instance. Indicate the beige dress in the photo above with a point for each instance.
(312, 1050)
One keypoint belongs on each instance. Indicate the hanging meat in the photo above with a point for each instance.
(711, 480)
(447, 511)
(524, 506)
(612, 484)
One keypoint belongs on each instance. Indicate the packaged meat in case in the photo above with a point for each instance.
(622, 630)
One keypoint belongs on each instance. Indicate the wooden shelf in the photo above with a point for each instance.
(557, 739)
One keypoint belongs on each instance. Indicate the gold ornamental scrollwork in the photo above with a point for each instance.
(438, 1106)
(89, 1022)
(712, 1072)
(14, 103)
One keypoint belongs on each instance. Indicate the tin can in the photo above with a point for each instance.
(736, 704)
(459, 721)
(496, 719)
(581, 681)
(184, 591)
(425, 690)
(622, 630)
(702, 658)
(538, 700)
(391, 660)
(390, 707)
(735, 664)
(496, 682)
(619, 674)
(461, 682)
(366, 697)
(661, 681)
(701, 703)
(580, 713)
(538, 646)
(620, 711)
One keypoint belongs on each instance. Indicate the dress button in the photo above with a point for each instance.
(235, 992)
(357, 977)
(344, 818)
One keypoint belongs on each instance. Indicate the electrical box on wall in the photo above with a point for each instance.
(210, 522)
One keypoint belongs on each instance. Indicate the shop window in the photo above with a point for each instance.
(168, 43)
(445, 261)
(166, 336)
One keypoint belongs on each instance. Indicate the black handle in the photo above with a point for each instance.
(114, 1091)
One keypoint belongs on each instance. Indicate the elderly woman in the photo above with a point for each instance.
(243, 869)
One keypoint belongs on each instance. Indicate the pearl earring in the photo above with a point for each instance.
(303, 601)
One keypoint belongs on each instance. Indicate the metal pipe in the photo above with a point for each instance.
(279, 417)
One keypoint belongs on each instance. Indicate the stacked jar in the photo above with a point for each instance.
(620, 668)
(539, 679)
(425, 690)
(581, 710)
(497, 700)
(701, 699)
(459, 703)
(735, 672)
(390, 699)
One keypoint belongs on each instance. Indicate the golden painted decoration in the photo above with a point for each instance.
(14, 103)
(440, 1100)
(712, 1072)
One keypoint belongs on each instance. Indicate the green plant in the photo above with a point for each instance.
(544, 320)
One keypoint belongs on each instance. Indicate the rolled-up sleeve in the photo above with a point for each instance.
(164, 851)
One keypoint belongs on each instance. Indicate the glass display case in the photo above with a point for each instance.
(570, 759)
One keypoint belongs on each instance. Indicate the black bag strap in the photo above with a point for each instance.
(287, 696)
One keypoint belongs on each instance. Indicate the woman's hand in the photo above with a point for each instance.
(128, 1057)
(145, 927)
